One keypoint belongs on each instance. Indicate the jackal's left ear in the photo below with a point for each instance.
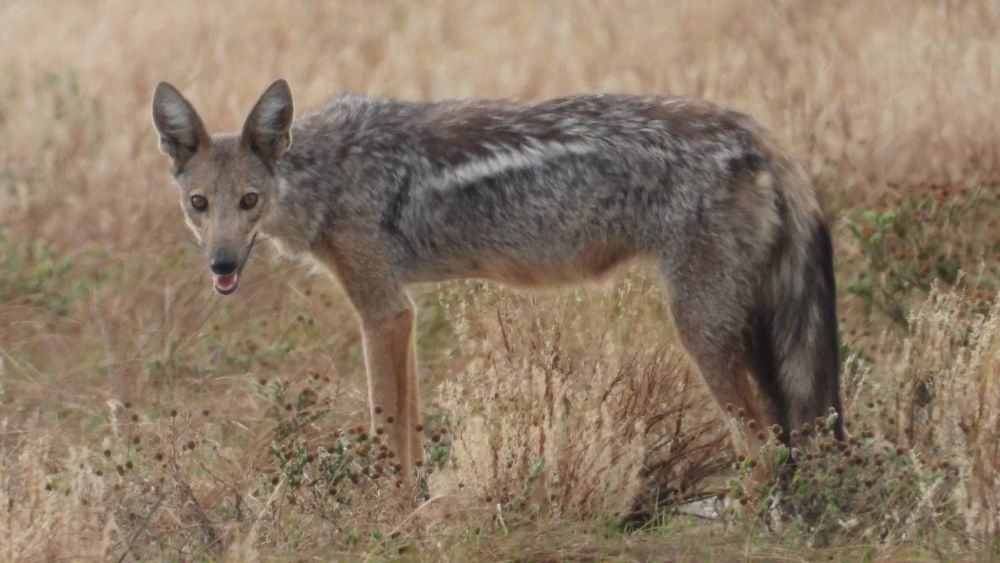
(267, 130)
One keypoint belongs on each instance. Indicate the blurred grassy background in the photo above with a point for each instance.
(891, 106)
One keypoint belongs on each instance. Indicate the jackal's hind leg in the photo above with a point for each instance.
(711, 323)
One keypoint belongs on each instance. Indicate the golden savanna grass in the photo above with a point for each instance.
(142, 416)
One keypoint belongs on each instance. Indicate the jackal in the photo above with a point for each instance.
(386, 193)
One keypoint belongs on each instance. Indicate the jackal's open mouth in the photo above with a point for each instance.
(226, 284)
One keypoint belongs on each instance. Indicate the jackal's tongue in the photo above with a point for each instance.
(226, 283)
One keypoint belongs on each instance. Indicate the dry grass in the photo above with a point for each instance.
(556, 413)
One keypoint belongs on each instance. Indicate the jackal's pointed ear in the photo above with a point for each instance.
(267, 130)
(182, 133)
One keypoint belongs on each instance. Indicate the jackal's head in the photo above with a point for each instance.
(227, 182)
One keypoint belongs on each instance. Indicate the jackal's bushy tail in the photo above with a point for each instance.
(795, 335)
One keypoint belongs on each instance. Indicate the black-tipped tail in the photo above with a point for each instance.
(795, 338)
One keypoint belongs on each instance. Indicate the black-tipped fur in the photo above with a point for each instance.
(794, 334)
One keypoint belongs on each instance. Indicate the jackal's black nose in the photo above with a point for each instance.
(223, 266)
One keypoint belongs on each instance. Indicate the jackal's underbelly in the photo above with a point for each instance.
(530, 269)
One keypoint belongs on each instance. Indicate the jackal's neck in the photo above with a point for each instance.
(297, 215)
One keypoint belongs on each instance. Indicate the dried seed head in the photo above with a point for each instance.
(741, 412)
(107, 453)
(752, 424)
(390, 419)
(420, 428)
(135, 417)
(173, 413)
(378, 410)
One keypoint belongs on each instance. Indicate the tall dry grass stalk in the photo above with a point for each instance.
(555, 415)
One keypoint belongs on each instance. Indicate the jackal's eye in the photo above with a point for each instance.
(248, 200)
(199, 202)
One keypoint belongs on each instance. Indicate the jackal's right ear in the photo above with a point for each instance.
(182, 133)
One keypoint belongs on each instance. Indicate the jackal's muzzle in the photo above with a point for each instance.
(226, 271)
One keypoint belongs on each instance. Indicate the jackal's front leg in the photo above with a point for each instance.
(392, 384)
